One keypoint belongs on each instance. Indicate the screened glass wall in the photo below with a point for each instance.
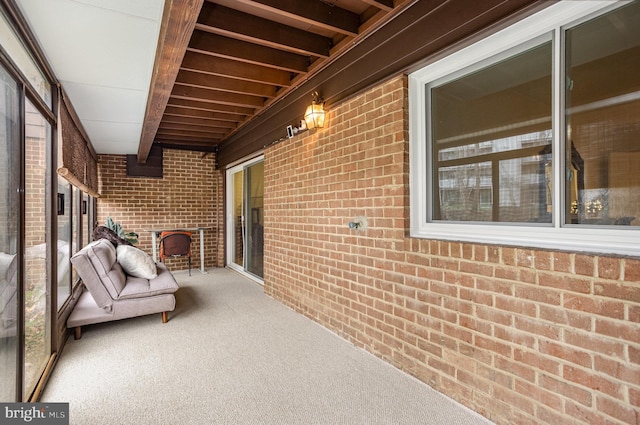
(43, 219)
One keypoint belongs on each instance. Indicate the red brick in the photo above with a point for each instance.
(564, 282)
(470, 379)
(617, 369)
(521, 371)
(618, 330)
(519, 401)
(573, 392)
(616, 409)
(548, 416)
(537, 327)
(586, 415)
(493, 345)
(634, 396)
(600, 307)
(584, 264)
(469, 350)
(493, 254)
(432, 349)
(543, 260)
(524, 257)
(634, 355)
(587, 378)
(491, 315)
(508, 273)
(562, 262)
(632, 270)
(609, 268)
(509, 256)
(539, 394)
(537, 294)
(562, 316)
(619, 291)
(537, 361)
(516, 305)
(495, 286)
(514, 336)
(569, 354)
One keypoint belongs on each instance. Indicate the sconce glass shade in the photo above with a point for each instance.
(314, 116)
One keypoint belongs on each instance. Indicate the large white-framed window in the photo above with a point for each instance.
(531, 136)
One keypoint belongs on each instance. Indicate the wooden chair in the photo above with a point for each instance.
(175, 243)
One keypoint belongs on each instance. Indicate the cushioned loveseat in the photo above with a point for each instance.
(120, 284)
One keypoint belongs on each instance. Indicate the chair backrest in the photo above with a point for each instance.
(98, 268)
(175, 243)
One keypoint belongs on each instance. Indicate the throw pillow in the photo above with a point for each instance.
(136, 262)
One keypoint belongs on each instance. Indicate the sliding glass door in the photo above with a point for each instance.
(245, 221)
(38, 300)
(35, 241)
(25, 292)
(9, 234)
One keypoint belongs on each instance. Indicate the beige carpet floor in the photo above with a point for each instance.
(232, 355)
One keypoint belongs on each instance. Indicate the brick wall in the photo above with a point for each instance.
(35, 204)
(188, 195)
(522, 336)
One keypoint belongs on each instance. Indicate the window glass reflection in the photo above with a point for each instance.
(603, 133)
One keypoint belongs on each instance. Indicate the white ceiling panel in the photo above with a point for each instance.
(143, 8)
(117, 148)
(110, 134)
(102, 52)
(98, 103)
(97, 45)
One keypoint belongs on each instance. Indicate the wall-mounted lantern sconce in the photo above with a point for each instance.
(314, 115)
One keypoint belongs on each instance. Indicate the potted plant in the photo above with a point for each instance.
(130, 237)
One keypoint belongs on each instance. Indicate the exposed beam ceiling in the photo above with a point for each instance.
(242, 56)
(230, 75)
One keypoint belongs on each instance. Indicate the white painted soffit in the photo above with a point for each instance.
(102, 52)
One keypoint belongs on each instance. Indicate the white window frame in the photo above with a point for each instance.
(594, 239)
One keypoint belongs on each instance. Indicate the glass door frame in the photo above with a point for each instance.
(230, 230)
(28, 391)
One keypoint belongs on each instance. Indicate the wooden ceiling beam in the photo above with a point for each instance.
(208, 148)
(200, 114)
(386, 5)
(317, 13)
(230, 68)
(169, 126)
(187, 135)
(232, 85)
(229, 48)
(194, 146)
(178, 21)
(242, 26)
(216, 96)
(191, 146)
(213, 107)
(175, 119)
